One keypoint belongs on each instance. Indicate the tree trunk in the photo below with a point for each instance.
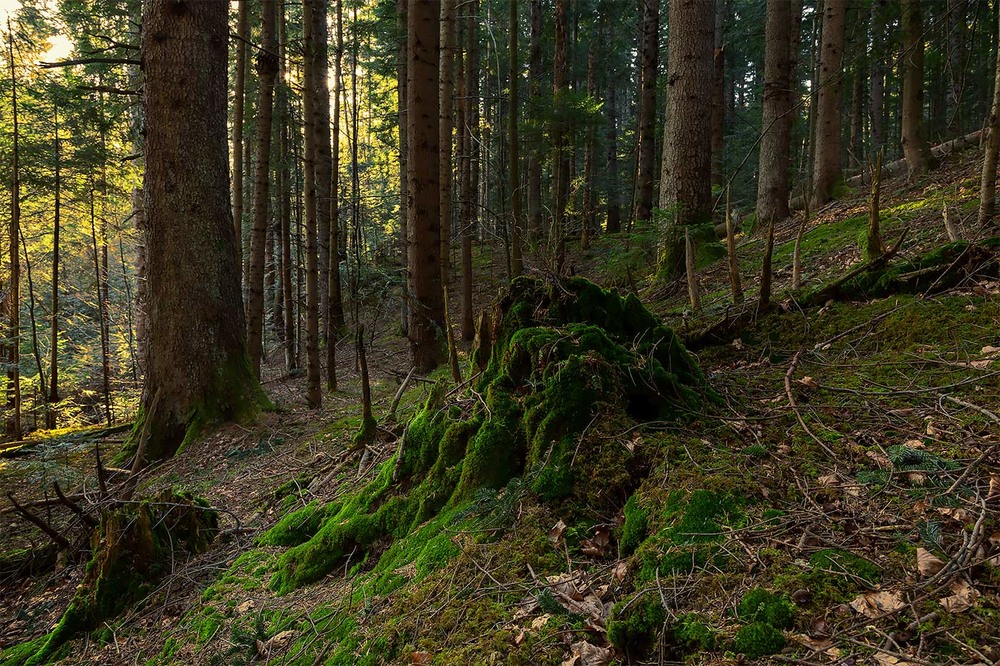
(514, 160)
(687, 173)
(199, 371)
(560, 159)
(773, 178)
(988, 184)
(239, 107)
(719, 95)
(312, 99)
(614, 222)
(285, 211)
(877, 82)
(14, 297)
(401, 122)
(423, 161)
(446, 90)
(335, 304)
(650, 49)
(827, 166)
(915, 147)
(53, 391)
(267, 69)
(325, 196)
(471, 196)
(536, 232)
(590, 150)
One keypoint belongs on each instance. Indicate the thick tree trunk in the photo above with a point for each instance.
(561, 153)
(650, 49)
(687, 173)
(471, 196)
(267, 70)
(199, 371)
(14, 296)
(404, 300)
(877, 78)
(335, 315)
(590, 150)
(614, 223)
(516, 260)
(423, 160)
(719, 95)
(312, 99)
(446, 91)
(773, 178)
(988, 184)
(827, 166)
(915, 146)
(239, 106)
(536, 232)
(325, 196)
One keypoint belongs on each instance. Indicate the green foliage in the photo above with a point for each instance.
(836, 573)
(760, 605)
(634, 622)
(636, 526)
(694, 633)
(758, 639)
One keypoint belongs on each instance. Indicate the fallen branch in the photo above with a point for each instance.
(50, 531)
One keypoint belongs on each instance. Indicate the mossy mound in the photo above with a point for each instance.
(759, 605)
(132, 548)
(566, 360)
(758, 639)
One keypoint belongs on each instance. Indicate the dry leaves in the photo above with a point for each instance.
(420, 657)
(557, 531)
(884, 659)
(874, 604)
(597, 545)
(928, 564)
(962, 597)
(279, 642)
(586, 654)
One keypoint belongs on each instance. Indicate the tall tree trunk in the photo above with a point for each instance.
(719, 95)
(285, 206)
(560, 160)
(446, 88)
(325, 196)
(650, 49)
(102, 299)
(14, 297)
(424, 202)
(312, 13)
(614, 222)
(536, 232)
(471, 196)
(988, 184)
(517, 262)
(956, 10)
(335, 312)
(267, 70)
(773, 178)
(53, 391)
(687, 174)
(199, 370)
(239, 107)
(827, 166)
(590, 149)
(401, 9)
(915, 147)
(877, 78)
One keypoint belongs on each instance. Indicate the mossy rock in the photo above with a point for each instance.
(132, 549)
(563, 356)
(760, 605)
(758, 639)
(636, 526)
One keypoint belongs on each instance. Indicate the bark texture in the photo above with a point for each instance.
(827, 165)
(198, 370)
(650, 48)
(915, 146)
(773, 179)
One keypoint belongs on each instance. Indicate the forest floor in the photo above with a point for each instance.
(838, 503)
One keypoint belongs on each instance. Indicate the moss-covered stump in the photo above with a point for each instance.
(568, 361)
(132, 548)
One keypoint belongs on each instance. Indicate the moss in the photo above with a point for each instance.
(692, 632)
(758, 640)
(838, 573)
(759, 605)
(636, 526)
(298, 526)
(634, 622)
(562, 354)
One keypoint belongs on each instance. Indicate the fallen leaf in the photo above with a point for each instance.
(914, 444)
(927, 563)
(916, 478)
(809, 381)
(275, 643)
(540, 622)
(962, 597)
(586, 654)
(817, 644)
(420, 657)
(884, 659)
(827, 480)
(961, 515)
(620, 571)
(557, 531)
(874, 604)
(994, 486)
(931, 430)
(990, 349)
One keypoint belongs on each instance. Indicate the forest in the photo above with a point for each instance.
(573, 332)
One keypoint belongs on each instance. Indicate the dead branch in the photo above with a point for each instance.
(50, 531)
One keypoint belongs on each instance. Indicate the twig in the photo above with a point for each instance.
(50, 531)
(399, 393)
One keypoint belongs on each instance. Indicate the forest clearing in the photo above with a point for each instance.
(573, 332)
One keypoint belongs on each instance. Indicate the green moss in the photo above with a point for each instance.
(837, 574)
(634, 622)
(760, 605)
(635, 527)
(758, 640)
(298, 526)
(694, 634)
